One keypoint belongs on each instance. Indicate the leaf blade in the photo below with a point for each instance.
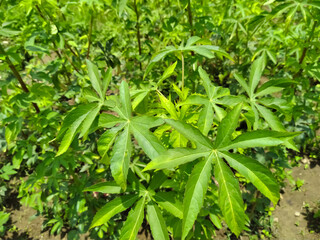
(157, 223)
(134, 220)
(112, 208)
(175, 157)
(259, 175)
(230, 200)
(196, 189)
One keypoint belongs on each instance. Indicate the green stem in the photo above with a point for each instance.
(17, 75)
(190, 17)
(89, 36)
(138, 30)
(182, 75)
(305, 49)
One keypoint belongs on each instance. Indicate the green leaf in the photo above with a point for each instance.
(205, 119)
(147, 141)
(255, 74)
(85, 126)
(259, 175)
(260, 138)
(206, 82)
(95, 78)
(157, 57)
(201, 50)
(242, 82)
(196, 189)
(207, 51)
(121, 6)
(190, 133)
(139, 98)
(157, 179)
(120, 159)
(106, 80)
(230, 200)
(195, 100)
(105, 142)
(268, 90)
(147, 121)
(227, 127)
(175, 157)
(125, 99)
(104, 187)
(281, 83)
(34, 48)
(168, 105)
(71, 125)
(156, 222)
(134, 220)
(108, 121)
(167, 201)
(192, 40)
(274, 122)
(112, 208)
(167, 73)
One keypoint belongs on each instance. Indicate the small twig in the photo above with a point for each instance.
(17, 75)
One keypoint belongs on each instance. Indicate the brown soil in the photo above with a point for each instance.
(293, 220)
(25, 225)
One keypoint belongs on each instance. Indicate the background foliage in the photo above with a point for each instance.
(155, 117)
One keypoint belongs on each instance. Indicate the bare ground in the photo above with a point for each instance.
(293, 220)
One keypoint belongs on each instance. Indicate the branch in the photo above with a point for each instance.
(17, 75)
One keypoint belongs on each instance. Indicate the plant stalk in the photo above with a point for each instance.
(138, 29)
(305, 49)
(182, 75)
(17, 75)
(190, 17)
(89, 36)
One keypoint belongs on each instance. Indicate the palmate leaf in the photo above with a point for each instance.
(107, 120)
(125, 99)
(79, 119)
(227, 127)
(260, 138)
(150, 143)
(190, 133)
(255, 74)
(112, 208)
(242, 82)
(105, 142)
(175, 157)
(275, 124)
(120, 159)
(230, 200)
(95, 78)
(196, 189)
(104, 187)
(259, 175)
(205, 119)
(167, 201)
(157, 223)
(134, 220)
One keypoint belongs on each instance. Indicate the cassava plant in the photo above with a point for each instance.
(209, 150)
